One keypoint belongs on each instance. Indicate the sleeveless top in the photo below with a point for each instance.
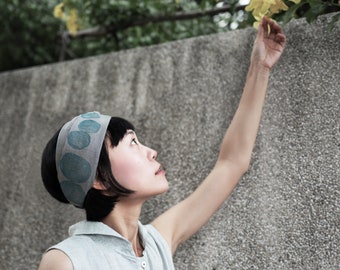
(94, 245)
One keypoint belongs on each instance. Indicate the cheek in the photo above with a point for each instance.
(127, 172)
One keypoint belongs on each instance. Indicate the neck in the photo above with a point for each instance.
(124, 220)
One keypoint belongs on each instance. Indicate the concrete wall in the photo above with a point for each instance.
(284, 214)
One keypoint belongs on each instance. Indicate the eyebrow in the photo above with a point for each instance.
(130, 132)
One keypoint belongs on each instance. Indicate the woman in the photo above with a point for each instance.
(97, 163)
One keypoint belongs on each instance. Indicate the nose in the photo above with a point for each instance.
(152, 154)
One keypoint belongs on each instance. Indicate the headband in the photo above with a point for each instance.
(77, 153)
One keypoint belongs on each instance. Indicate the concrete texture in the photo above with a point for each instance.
(181, 96)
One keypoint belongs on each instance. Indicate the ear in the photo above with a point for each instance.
(98, 185)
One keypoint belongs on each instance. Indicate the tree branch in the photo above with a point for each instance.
(101, 31)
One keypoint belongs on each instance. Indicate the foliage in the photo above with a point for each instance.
(128, 24)
(38, 32)
(28, 34)
(308, 9)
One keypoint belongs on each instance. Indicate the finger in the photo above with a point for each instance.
(265, 26)
(276, 33)
(281, 39)
(265, 20)
(260, 32)
(275, 27)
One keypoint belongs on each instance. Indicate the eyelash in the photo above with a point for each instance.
(134, 141)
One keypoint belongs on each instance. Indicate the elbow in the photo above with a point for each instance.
(241, 165)
(240, 160)
(244, 165)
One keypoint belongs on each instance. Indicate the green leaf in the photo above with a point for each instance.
(334, 19)
(290, 13)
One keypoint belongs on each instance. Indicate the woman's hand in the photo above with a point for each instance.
(268, 45)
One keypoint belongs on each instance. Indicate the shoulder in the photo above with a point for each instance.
(64, 255)
(55, 259)
(75, 252)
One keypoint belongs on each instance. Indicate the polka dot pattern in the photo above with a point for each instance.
(75, 168)
(89, 126)
(77, 154)
(78, 139)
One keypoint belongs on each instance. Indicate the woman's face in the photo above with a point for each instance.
(134, 166)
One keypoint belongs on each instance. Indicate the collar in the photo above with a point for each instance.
(99, 228)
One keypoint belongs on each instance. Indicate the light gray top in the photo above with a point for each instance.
(94, 245)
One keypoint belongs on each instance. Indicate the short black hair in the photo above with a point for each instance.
(96, 204)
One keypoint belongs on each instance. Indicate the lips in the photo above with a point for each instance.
(160, 170)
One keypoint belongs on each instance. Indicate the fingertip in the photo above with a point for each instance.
(282, 38)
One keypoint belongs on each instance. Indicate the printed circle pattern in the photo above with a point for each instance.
(74, 191)
(78, 139)
(89, 126)
(91, 115)
(75, 168)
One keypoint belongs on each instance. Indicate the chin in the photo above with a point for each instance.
(163, 190)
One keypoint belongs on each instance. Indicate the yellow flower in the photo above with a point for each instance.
(279, 5)
(256, 24)
(58, 11)
(261, 8)
(71, 22)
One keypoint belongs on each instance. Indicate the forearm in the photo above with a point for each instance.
(239, 140)
(233, 161)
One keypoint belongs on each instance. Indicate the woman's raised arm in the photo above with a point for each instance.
(187, 217)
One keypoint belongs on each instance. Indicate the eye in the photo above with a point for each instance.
(134, 141)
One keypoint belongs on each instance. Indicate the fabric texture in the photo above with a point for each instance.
(94, 245)
(77, 154)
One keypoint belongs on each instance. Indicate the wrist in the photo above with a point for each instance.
(259, 69)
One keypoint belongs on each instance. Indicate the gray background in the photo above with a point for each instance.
(181, 96)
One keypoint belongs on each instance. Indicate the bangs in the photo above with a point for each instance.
(117, 129)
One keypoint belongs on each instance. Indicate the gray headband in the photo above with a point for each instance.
(77, 153)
